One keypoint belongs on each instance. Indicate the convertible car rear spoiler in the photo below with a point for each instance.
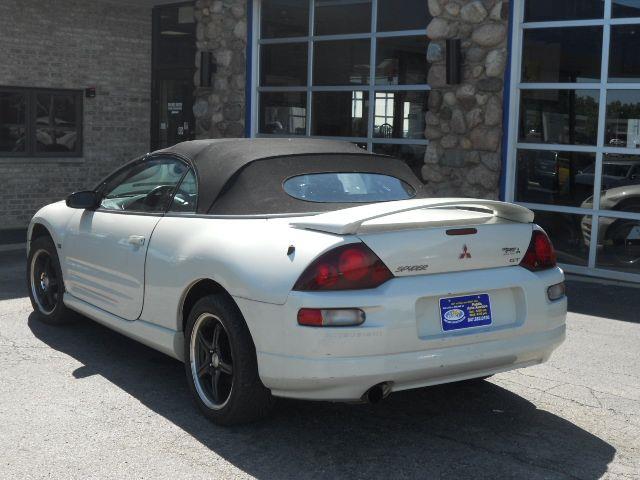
(352, 221)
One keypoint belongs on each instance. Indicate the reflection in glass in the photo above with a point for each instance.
(401, 61)
(559, 116)
(623, 119)
(335, 18)
(624, 61)
(284, 18)
(283, 113)
(12, 122)
(340, 114)
(620, 183)
(567, 232)
(547, 10)
(396, 15)
(56, 123)
(562, 55)
(400, 114)
(413, 155)
(619, 244)
(283, 65)
(342, 62)
(558, 178)
(625, 8)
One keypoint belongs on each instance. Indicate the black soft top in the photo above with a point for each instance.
(227, 187)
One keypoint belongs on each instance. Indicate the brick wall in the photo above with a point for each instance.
(75, 44)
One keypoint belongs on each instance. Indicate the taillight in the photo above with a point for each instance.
(348, 267)
(540, 254)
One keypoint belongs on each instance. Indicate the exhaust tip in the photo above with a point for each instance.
(377, 393)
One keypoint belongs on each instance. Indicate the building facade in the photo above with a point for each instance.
(536, 102)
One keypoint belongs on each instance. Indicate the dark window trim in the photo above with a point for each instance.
(30, 122)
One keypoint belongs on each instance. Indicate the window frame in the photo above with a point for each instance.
(100, 188)
(31, 106)
(309, 89)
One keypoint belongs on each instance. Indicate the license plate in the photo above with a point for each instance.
(457, 313)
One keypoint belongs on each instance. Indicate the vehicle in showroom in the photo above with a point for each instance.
(306, 269)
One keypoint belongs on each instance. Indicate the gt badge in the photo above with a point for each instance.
(465, 253)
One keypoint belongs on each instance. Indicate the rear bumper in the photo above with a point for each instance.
(347, 379)
(402, 341)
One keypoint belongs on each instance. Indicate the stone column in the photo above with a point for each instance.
(464, 122)
(221, 29)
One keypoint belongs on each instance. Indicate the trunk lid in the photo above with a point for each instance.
(418, 237)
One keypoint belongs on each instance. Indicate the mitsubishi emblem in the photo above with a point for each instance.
(465, 253)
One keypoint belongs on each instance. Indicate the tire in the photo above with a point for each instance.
(221, 365)
(45, 283)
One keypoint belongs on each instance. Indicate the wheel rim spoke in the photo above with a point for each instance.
(215, 384)
(203, 370)
(216, 336)
(226, 367)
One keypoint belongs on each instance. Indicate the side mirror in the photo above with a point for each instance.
(83, 200)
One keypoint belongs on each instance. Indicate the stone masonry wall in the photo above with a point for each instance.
(464, 122)
(75, 44)
(222, 29)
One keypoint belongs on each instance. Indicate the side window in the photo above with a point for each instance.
(186, 198)
(145, 186)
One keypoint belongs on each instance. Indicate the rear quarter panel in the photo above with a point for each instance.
(247, 257)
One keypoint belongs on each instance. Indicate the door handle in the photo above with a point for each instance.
(137, 240)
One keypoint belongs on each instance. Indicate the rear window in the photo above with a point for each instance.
(348, 188)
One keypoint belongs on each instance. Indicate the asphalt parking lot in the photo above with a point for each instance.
(84, 402)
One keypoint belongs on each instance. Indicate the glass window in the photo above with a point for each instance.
(559, 178)
(283, 65)
(624, 61)
(413, 155)
(175, 36)
(569, 234)
(284, 18)
(623, 119)
(334, 18)
(40, 123)
(340, 114)
(548, 10)
(562, 55)
(400, 114)
(13, 106)
(559, 116)
(186, 198)
(396, 15)
(56, 122)
(342, 62)
(401, 60)
(283, 113)
(620, 183)
(146, 186)
(625, 8)
(619, 244)
(348, 188)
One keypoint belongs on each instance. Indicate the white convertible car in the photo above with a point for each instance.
(299, 268)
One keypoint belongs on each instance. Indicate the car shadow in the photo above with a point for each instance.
(476, 430)
(616, 302)
(13, 283)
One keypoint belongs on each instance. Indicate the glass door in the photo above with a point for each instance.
(174, 52)
(574, 146)
(175, 114)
